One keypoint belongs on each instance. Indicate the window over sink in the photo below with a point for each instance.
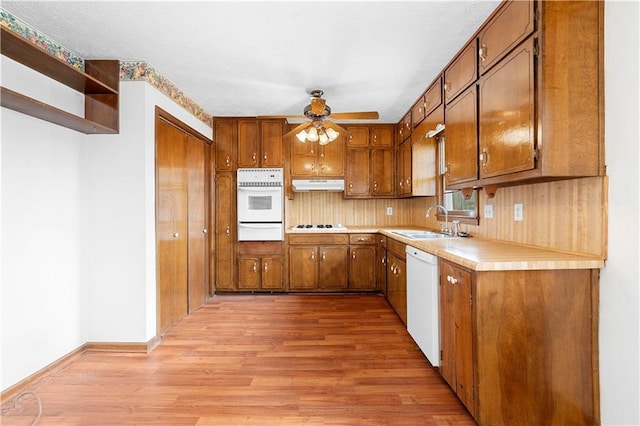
(464, 209)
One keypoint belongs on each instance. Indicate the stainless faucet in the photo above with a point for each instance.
(444, 227)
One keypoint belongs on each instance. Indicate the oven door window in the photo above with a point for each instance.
(260, 202)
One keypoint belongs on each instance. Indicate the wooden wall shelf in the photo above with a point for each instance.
(100, 84)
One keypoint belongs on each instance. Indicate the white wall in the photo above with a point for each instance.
(619, 280)
(122, 298)
(44, 234)
(78, 226)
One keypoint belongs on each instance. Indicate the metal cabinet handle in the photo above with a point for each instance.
(384, 260)
(204, 231)
(447, 86)
(264, 157)
(227, 160)
(255, 267)
(353, 255)
(482, 52)
(375, 186)
(350, 185)
(451, 279)
(228, 231)
(484, 157)
(313, 256)
(266, 266)
(176, 235)
(324, 256)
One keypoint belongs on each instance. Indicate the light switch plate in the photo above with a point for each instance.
(488, 211)
(389, 211)
(518, 212)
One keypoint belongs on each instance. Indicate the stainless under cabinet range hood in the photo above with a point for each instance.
(304, 185)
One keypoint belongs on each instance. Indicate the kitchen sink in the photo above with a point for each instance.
(420, 235)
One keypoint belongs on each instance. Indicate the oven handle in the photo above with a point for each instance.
(259, 188)
(260, 225)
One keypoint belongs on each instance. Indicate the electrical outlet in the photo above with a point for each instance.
(389, 211)
(518, 212)
(488, 211)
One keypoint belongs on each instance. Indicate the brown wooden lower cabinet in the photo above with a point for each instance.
(261, 266)
(362, 258)
(318, 262)
(520, 347)
(397, 278)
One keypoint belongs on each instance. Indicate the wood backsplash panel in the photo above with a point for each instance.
(331, 207)
(565, 215)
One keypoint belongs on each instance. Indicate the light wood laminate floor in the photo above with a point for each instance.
(257, 360)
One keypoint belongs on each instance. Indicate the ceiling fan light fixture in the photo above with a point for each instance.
(302, 136)
(322, 137)
(312, 134)
(332, 134)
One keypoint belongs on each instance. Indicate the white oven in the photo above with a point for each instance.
(260, 204)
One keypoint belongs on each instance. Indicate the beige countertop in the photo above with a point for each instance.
(482, 254)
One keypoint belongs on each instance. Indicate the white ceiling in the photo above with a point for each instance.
(244, 58)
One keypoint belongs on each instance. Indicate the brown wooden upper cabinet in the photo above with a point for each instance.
(511, 25)
(260, 143)
(313, 160)
(431, 100)
(226, 140)
(403, 129)
(462, 72)
(461, 147)
(370, 161)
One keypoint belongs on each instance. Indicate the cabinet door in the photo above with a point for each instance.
(433, 97)
(249, 273)
(461, 73)
(272, 278)
(507, 141)
(382, 172)
(381, 264)
(332, 273)
(513, 23)
(381, 135)
(461, 147)
(303, 267)
(248, 143)
(225, 141)
(272, 152)
(401, 286)
(331, 158)
(357, 179)
(361, 268)
(407, 167)
(418, 111)
(225, 231)
(303, 158)
(456, 332)
(358, 137)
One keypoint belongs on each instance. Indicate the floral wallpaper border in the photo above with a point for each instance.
(129, 70)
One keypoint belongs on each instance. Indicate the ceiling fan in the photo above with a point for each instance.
(320, 126)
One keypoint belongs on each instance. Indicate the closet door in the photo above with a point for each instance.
(171, 224)
(197, 245)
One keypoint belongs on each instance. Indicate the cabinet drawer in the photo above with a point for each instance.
(362, 239)
(397, 248)
(318, 239)
(261, 247)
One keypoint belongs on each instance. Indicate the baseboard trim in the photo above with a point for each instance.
(29, 381)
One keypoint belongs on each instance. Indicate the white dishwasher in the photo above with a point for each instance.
(423, 302)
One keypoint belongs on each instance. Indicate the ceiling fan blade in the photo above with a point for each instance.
(297, 129)
(334, 126)
(273, 117)
(317, 105)
(363, 115)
